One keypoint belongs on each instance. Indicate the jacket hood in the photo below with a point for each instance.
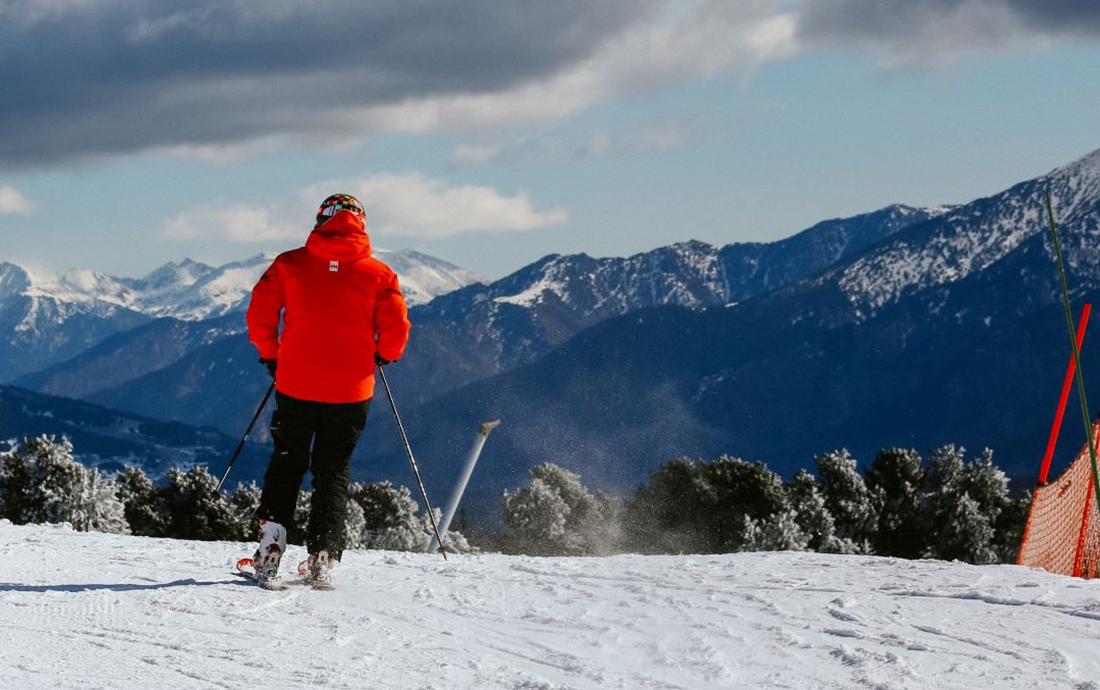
(342, 238)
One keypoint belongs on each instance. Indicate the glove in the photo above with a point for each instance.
(271, 365)
(381, 361)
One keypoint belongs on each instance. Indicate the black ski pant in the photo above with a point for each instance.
(319, 437)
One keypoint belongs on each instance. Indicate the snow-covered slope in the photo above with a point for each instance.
(99, 611)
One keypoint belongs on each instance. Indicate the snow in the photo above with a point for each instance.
(193, 291)
(84, 610)
(532, 294)
(423, 277)
(972, 237)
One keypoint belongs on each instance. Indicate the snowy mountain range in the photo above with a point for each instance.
(52, 317)
(900, 327)
(184, 372)
(950, 330)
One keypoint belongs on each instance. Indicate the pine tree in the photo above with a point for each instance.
(42, 483)
(141, 503)
(741, 489)
(243, 504)
(896, 478)
(536, 517)
(390, 518)
(98, 508)
(958, 527)
(777, 532)
(195, 510)
(16, 485)
(849, 501)
(355, 526)
(811, 514)
(987, 484)
(669, 514)
(58, 479)
(557, 514)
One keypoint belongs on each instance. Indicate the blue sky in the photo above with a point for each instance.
(139, 132)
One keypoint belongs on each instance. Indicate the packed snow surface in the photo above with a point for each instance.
(81, 610)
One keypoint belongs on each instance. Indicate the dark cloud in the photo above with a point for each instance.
(89, 77)
(932, 30)
(1069, 17)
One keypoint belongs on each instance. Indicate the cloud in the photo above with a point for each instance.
(85, 78)
(600, 143)
(88, 78)
(653, 138)
(13, 201)
(688, 40)
(238, 224)
(475, 154)
(413, 205)
(938, 33)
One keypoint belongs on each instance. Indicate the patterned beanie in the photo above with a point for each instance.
(340, 202)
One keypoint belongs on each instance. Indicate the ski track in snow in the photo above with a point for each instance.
(80, 610)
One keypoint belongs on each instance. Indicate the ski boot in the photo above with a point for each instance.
(265, 563)
(319, 570)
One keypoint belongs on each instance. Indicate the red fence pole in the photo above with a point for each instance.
(1044, 469)
(1079, 556)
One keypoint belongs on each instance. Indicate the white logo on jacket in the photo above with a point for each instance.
(334, 266)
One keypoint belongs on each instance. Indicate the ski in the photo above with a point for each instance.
(245, 570)
(275, 586)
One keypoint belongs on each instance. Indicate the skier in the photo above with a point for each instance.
(342, 312)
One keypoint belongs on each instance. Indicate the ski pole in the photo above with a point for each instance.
(412, 460)
(244, 438)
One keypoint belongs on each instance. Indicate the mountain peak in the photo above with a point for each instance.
(14, 280)
(1075, 185)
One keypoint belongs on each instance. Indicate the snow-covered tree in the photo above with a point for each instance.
(391, 521)
(987, 484)
(355, 525)
(536, 517)
(777, 532)
(16, 485)
(389, 518)
(557, 514)
(195, 510)
(896, 478)
(849, 501)
(96, 507)
(741, 490)
(243, 503)
(959, 528)
(141, 503)
(42, 483)
(811, 514)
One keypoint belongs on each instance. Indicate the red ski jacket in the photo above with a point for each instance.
(339, 306)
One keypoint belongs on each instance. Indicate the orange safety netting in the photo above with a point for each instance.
(1063, 527)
